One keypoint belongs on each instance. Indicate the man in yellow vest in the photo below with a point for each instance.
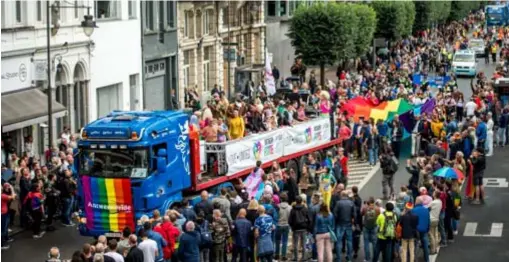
(494, 52)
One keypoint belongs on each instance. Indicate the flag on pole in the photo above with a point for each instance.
(269, 78)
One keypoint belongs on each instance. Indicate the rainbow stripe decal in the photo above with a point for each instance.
(108, 203)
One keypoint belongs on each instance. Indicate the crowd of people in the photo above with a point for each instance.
(312, 205)
(37, 189)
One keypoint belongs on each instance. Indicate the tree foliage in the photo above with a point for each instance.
(325, 33)
(395, 18)
(460, 9)
(365, 29)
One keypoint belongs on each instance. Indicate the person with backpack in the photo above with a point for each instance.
(423, 225)
(34, 204)
(344, 213)
(370, 213)
(241, 237)
(282, 228)
(389, 165)
(202, 227)
(220, 232)
(299, 223)
(386, 224)
(408, 231)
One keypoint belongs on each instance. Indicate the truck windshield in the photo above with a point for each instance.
(494, 16)
(114, 163)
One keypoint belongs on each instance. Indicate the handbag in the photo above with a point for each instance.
(332, 235)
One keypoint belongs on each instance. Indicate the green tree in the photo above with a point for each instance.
(365, 29)
(409, 13)
(392, 20)
(323, 34)
(460, 9)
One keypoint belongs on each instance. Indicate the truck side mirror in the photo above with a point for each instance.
(161, 161)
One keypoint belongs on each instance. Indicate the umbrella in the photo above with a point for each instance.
(449, 173)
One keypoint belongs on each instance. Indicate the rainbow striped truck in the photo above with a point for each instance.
(132, 163)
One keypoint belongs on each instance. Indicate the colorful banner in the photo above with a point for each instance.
(360, 107)
(265, 147)
(307, 135)
(108, 203)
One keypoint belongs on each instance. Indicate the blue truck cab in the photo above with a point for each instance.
(496, 15)
(147, 152)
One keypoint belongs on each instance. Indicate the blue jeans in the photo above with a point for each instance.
(441, 228)
(282, 238)
(66, 210)
(424, 242)
(5, 228)
(372, 155)
(454, 224)
(369, 239)
(340, 232)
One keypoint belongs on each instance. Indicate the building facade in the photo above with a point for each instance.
(277, 17)
(242, 29)
(200, 49)
(115, 82)
(24, 75)
(159, 43)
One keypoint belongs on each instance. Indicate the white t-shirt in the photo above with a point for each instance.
(471, 106)
(116, 256)
(149, 248)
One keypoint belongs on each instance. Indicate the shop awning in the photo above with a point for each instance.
(26, 108)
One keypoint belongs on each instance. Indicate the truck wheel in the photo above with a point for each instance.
(292, 164)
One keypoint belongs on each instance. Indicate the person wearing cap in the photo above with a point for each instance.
(408, 222)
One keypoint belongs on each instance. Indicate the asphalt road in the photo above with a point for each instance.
(67, 239)
(469, 245)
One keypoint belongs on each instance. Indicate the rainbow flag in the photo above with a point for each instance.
(108, 203)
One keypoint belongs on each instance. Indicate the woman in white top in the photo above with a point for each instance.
(489, 139)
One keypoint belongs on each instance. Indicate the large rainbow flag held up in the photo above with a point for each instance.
(361, 107)
(108, 203)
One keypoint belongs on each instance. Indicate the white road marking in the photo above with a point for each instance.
(495, 182)
(471, 228)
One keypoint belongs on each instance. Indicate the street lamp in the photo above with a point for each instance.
(52, 18)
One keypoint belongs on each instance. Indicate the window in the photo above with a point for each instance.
(271, 8)
(282, 8)
(107, 99)
(206, 67)
(76, 10)
(187, 57)
(107, 9)
(186, 24)
(149, 16)
(20, 7)
(226, 19)
(245, 42)
(205, 22)
(134, 91)
(170, 14)
(132, 9)
(39, 10)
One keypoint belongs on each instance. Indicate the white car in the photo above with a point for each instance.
(477, 45)
(464, 63)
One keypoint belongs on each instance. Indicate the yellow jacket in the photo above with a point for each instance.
(380, 222)
(236, 127)
(436, 128)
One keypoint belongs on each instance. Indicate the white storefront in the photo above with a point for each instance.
(116, 76)
(24, 100)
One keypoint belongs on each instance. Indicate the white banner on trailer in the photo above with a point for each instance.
(307, 135)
